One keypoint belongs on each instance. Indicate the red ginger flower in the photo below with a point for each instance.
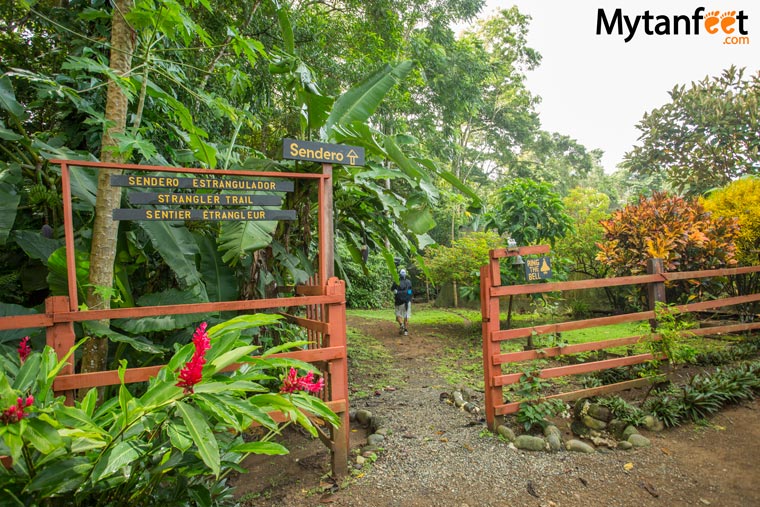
(192, 373)
(293, 383)
(24, 349)
(15, 413)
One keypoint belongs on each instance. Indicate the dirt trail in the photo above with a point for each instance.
(715, 464)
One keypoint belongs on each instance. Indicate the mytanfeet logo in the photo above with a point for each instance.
(731, 24)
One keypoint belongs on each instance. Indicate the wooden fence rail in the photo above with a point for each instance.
(326, 330)
(492, 291)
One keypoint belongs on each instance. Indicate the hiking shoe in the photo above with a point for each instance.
(406, 332)
(401, 330)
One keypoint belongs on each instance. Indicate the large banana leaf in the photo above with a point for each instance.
(177, 247)
(217, 276)
(37, 246)
(358, 103)
(165, 322)
(237, 239)
(8, 99)
(9, 201)
(58, 277)
(10, 177)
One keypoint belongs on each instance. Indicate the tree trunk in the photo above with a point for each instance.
(105, 230)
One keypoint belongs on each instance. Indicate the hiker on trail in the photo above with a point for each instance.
(403, 301)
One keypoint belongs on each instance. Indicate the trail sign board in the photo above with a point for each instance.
(539, 268)
(176, 206)
(293, 149)
(217, 183)
(211, 215)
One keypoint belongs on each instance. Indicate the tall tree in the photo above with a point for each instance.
(705, 137)
(105, 229)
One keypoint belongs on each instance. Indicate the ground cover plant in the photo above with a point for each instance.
(172, 442)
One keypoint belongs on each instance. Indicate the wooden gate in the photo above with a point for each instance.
(492, 291)
(323, 300)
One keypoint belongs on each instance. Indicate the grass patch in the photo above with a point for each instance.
(368, 365)
(461, 362)
(423, 315)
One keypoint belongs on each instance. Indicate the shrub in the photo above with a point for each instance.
(740, 200)
(623, 410)
(368, 283)
(705, 394)
(173, 445)
(536, 414)
(461, 261)
(678, 231)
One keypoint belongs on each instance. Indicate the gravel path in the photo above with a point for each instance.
(438, 455)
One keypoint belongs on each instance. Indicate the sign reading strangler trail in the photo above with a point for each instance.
(176, 206)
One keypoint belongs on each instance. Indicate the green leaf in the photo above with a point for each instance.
(179, 436)
(238, 239)
(9, 135)
(97, 328)
(8, 99)
(60, 477)
(419, 220)
(165, 322)
(84, 185)
(268, 448)
(218, 278)
(37, 246)
(315, 406)
(228, 358)
(160, 393)
(28, 373)
(176, 245)
(89, 402)
(285, 346)
(9, 201)
(42, 436)
(201, 435)
(58, 277)
(121, 455)
(249, 410)
(241, 322)
(358, 103)
(76, 418)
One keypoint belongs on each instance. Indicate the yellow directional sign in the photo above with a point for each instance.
(539, 268)
(293, 149)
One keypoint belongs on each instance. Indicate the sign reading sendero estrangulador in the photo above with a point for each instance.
(293, 149)
(173, 206)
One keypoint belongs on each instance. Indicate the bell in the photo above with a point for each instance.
(517, 260)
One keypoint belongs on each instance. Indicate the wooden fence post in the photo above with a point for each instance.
(335, 317)
(489, 310)
(60, 336)
(655, 290)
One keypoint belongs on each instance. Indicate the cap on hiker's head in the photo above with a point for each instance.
(402, 273)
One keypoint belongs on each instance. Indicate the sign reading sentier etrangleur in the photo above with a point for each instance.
(242, 202)
(293, 149)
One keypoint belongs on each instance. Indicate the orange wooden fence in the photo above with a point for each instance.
(323, 302)
(327, 351)
(493, 358)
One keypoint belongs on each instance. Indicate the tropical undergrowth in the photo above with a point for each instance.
(173, 445)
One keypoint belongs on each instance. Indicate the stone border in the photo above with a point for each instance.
(592, 422)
